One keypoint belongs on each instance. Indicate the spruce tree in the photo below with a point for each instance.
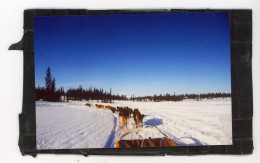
(53, 85)
(48, 79)
(53, 89)
(48, 85)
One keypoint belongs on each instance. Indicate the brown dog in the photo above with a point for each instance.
(113, 109)
(99, 106)
(123, 118)
(138, 118)
(89, 104)
(108, 107)
(130, 111)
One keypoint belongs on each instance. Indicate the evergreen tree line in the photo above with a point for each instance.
(49, 92)
(55, 96)
(169, 97)
(93, 94)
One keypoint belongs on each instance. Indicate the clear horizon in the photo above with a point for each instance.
(140, 54)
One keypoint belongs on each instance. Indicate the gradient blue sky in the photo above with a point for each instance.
(140, 54)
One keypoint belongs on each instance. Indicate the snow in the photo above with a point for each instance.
(71, 125)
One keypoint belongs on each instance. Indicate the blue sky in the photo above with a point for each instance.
(140, 54)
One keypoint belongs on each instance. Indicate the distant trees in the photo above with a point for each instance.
(169, 97)
(40, 93)
(48, 85)
(49, 92)
(132, 98)
(48, 79)
(93, 94)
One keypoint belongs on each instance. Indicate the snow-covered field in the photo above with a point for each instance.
(70, 125)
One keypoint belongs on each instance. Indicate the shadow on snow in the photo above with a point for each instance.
(195, 142)
(153, 122)
(109, 143)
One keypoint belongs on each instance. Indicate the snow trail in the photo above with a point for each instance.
(64, 126)
(70, 125)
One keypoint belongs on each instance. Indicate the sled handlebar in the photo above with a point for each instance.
(140, 129)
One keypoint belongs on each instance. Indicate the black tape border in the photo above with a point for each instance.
(241, 87)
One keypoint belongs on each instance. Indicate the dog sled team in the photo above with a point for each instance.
(125, 113)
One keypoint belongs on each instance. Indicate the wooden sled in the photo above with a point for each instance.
(147, 142)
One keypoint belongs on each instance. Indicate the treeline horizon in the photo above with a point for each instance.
(79, 94)
(50, 93)
(92, 93)
(180, 97)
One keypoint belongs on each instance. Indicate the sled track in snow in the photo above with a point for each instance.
(73, 125)
(118, 131)
(111, 138)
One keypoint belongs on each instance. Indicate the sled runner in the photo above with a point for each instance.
(147, 142)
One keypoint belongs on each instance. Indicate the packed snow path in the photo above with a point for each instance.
(71, 125)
